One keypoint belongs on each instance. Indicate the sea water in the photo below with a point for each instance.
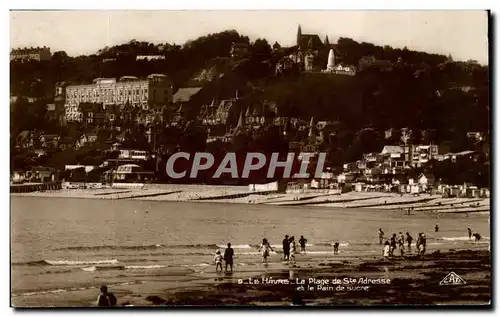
(61, 245)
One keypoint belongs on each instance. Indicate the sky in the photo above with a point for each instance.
(463, 34)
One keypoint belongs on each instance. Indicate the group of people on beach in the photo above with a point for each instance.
(476, 236)
(289, 251)
(228, 258)
(398, 241)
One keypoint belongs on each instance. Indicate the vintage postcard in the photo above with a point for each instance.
(250, 158)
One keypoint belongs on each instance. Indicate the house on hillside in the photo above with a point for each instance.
(41, 174)
(25, 139)
(286, 66)
(86, 138)
(49, 140)
(426, 179)
(239, 50)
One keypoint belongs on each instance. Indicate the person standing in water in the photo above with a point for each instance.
(469, 231)
(421, 242)
(401, 243)
(477, 237)
(286, 249)
(393, 244)
(336, 248)
(105, 298)
(228, 256)
(293, 249)
(424, 243)
(266, 249)
(302, 242)
(436, 228)
(387, 250)
(218, 260)
(380, 236)
(409, 239)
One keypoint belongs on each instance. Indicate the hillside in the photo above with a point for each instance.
(422, 91)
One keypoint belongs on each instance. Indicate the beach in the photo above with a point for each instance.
(152, 252)
(242, 195)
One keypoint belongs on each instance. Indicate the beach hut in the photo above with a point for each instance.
(485, 193)
(358, 187)
(473, 192)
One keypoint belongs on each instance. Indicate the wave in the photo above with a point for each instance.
(464, 238)
(70, 289)
(144, 267)
(330, 244)
(280, 246)
(137, 247)
(236, 246)
(122, 267)
(65, 262)
(197, 265)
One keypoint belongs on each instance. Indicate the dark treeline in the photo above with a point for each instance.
(393, 88)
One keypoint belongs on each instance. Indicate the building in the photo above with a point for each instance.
(149, 57)
(308, 50)
(338, 69)
(421, 154)
(154, 91)
(476, 136)
(220, 114)
(409, 155)
(139, 155)
(239, 50)
(131, 173)
(32, 53)
(286, 66)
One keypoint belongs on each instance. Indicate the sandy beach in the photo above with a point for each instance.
(241, 195)
(330, 281)
(152, 257)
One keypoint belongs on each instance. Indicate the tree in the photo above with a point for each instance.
(261, 49)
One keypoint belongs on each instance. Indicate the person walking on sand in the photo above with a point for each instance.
(218, 260)
(387, 250)
(228, 256)
(293, 249)
(266, 249)
(380, 236)
(286, 249)
(409, 239)
(105, 298)
(469, 232)
(302, 242)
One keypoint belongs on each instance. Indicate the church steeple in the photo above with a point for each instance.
(327, 42)
(241, 123)
(299, 36)
(311, 128)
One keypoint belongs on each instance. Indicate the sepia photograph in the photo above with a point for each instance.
(250, 158)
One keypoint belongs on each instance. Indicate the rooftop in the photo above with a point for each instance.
(185, 94)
